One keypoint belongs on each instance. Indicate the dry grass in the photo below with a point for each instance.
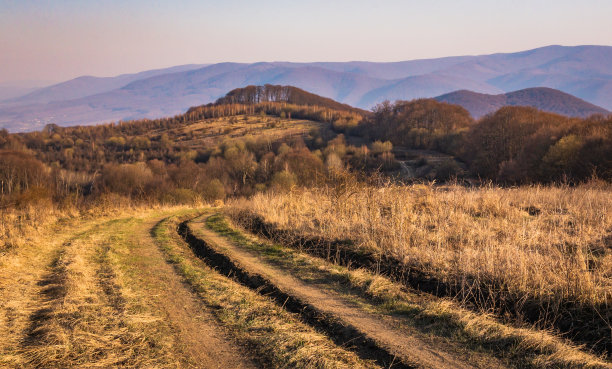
(81, 317)
(17, 227)
(61, 302)
(486, 233)
(548, 244)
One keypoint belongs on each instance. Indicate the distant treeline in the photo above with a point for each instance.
(318, 113)
(148, 160)
(512, 145)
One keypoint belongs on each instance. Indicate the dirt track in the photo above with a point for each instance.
(400, 344)
(197, 330)
(103, 295)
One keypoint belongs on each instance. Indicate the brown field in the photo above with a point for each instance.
(540, 241)
(120, 286)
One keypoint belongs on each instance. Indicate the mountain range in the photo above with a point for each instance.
(582, 71)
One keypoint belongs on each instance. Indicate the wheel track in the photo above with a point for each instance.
(341, 335)
(81, 317)
(344, 326)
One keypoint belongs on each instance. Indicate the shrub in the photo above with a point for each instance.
(283, 181)
(213, 190)
(379, 147)
(182, 196)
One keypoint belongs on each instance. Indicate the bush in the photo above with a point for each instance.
(182, 196)
(283, 181)
(379, 147)
(127, 179)
(448, 169)
(213, 190)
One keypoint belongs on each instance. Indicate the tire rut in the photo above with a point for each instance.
(345, 325)
(341, 334)
(81, 318)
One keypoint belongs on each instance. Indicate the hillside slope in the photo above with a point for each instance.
(546, 99)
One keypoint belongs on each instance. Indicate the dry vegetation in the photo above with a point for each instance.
(549, 244)
(212, 132)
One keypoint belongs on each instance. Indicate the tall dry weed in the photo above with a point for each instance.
(538, 241)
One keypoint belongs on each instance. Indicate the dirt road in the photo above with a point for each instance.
(101, 294)
(165, 289)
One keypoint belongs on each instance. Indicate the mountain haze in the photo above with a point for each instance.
(582, 71)
(542, 98)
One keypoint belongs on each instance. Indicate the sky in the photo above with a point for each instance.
(56, 40)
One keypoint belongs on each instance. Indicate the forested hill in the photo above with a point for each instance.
(276, 93)
(542, 98)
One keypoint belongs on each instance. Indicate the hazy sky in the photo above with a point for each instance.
(56, 40)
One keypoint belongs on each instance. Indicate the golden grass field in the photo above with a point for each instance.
(116, 285)
(212, 132)
(550, 245)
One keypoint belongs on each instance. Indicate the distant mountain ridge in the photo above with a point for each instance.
(542, 98)
(582, 71)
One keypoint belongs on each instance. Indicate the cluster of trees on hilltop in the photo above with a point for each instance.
(89, 148)
(282, 94)
(512, 145)
(339, 118)
(141, 161)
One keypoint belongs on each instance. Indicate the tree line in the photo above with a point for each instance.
(147, 161)
(511, 145)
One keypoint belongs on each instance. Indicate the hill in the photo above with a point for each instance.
(583, 71)
(547, 99)
(286, 94)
